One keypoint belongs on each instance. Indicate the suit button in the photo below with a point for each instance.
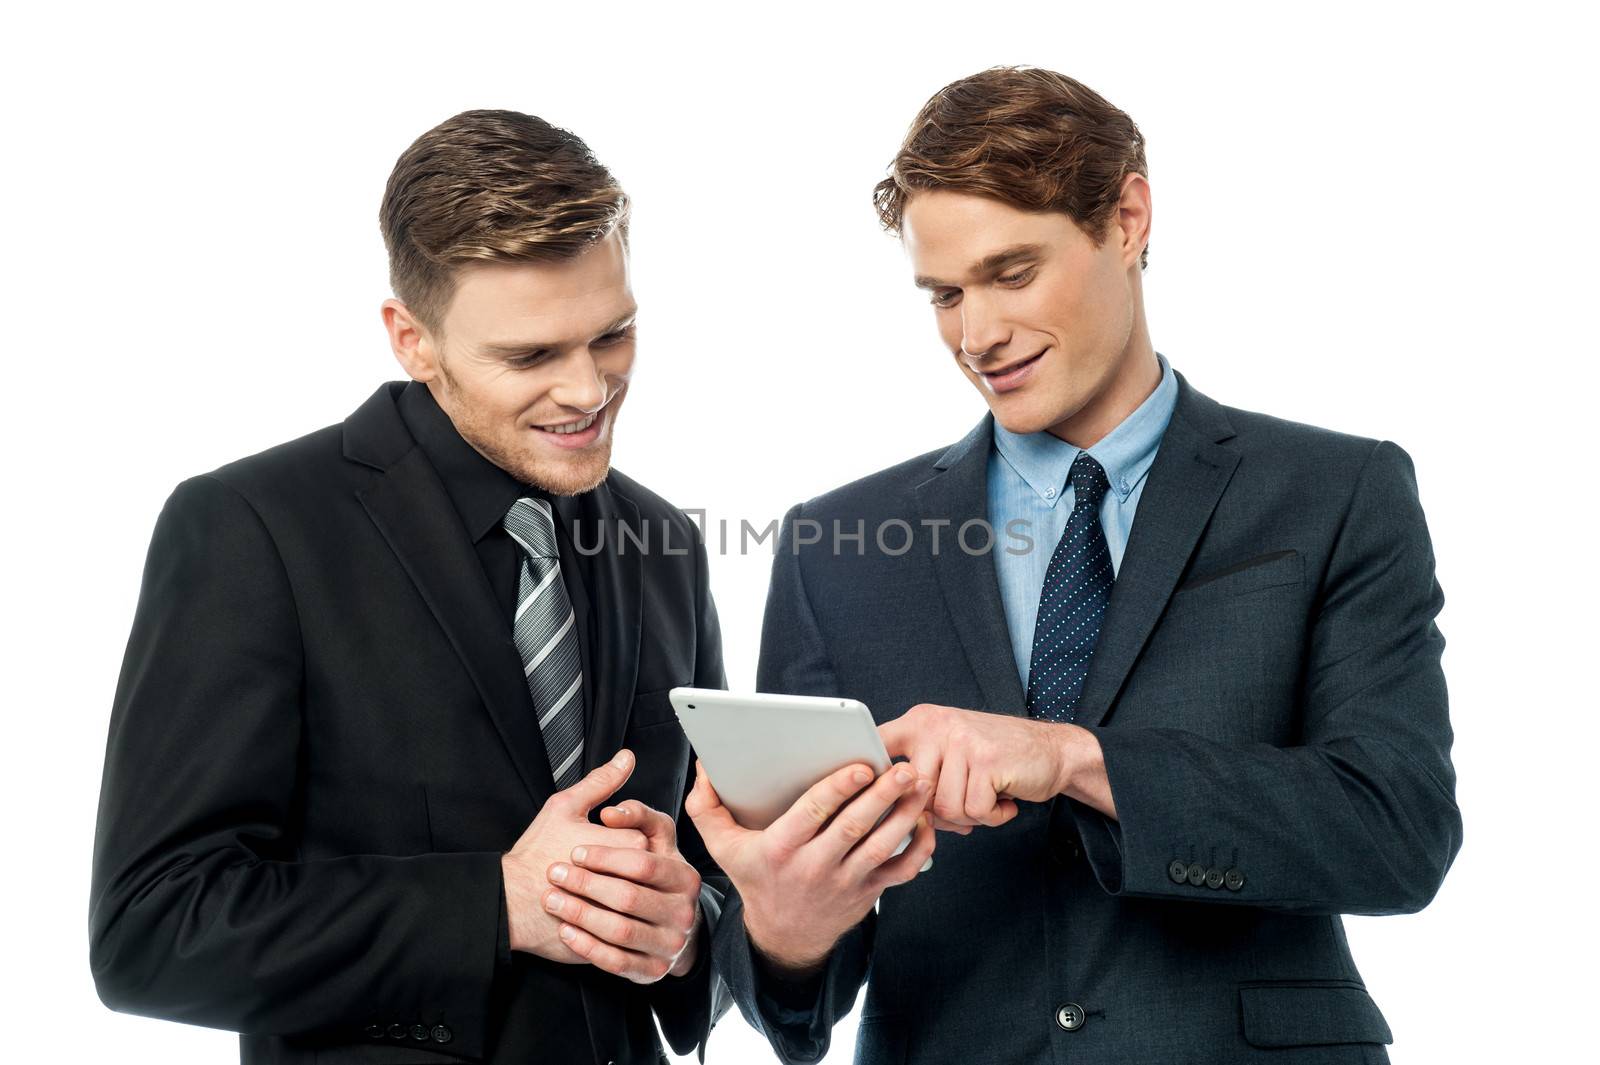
(375, 1031)
(1213, 878)
(1178, 871)
(1197, 874)
(419, 1032)
(442, 1034)
(1070, 1016)
(397, 1031)
(1234, 879)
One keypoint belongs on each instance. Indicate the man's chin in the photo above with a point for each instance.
(1022, 422)
(568, 477)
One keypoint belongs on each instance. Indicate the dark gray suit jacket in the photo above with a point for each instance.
(1268, 694)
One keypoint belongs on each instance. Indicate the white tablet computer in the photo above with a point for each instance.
(763, 751)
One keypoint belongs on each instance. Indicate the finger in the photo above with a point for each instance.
(950, 796)
(901, 738)
(630, 965)
(909, 862)
(660, 832)
(1004, 810)
(718, 830)
(618, 929)
(599, 784)
(620, 837)
(897, 737)
(671, 910)
(950, 826)
(857, 820)
(880, 844)
(980, 802)
(660, 871)
(800, 822)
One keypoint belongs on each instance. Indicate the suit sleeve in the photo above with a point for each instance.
(689, 1005)
(1359, 818)
(201, 909)
(797, 1019)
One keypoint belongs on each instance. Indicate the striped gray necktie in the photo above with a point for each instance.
(546, 639)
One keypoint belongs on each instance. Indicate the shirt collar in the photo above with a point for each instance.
(1044, 460)
(481, 491)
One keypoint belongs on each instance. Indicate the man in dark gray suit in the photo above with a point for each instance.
(1176, 749)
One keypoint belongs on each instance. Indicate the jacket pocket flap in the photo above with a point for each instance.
(1302, 1014)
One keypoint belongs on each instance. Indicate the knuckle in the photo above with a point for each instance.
(875, 854)
(945, 809)
(815, 811)
(626, 933)
(629, 897)
(851, 829)
(677, 942)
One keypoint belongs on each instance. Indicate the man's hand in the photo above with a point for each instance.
(631, 912)
(563, 823)
(815, 872)
(985, 763)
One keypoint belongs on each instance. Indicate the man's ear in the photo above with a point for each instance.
(1131, 223)
(413, 348)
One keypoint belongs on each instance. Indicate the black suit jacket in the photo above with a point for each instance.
(1267, 691)
(322, 742)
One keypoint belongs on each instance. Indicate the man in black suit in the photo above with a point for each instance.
(1175, 749)
(380, 675)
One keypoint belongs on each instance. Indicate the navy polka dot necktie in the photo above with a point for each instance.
(1077, 586)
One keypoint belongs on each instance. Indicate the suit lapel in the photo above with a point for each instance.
(615, 602)
(1185, 481)
(970, 585)
(413, 512)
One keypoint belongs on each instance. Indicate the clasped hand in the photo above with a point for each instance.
(617, 895)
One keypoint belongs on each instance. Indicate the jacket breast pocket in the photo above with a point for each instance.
(660, 750)
(1275, 569)
(1310, 1013)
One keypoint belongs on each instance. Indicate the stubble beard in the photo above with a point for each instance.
(584, 471)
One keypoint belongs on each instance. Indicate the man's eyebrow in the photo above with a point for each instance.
(514, 348)
(990, 264)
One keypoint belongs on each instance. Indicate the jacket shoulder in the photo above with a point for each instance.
(882, 490)
(292, 467)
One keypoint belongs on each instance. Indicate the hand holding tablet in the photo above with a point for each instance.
(809, 838)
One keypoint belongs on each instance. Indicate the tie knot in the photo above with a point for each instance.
(1089, 482)
(531, 525)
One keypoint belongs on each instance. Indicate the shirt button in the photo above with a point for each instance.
(1233, 879)
(1197, 874)
(419, 1032)
(1178, 871)
(1049, 493)
(442, 1034)
(1070, 1016)
(1122, 486)
(1213, 878)
(397, 1031)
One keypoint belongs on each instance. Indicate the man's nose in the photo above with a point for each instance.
(982, 330)
(578, 382)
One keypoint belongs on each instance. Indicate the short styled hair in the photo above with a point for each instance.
(1031, 138)
(491, 186)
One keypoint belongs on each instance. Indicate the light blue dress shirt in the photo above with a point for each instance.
(1029, 484)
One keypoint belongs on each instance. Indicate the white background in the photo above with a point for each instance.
(1381, 221)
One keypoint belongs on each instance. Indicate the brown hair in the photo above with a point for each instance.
(491, 186)
(1032, 138)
